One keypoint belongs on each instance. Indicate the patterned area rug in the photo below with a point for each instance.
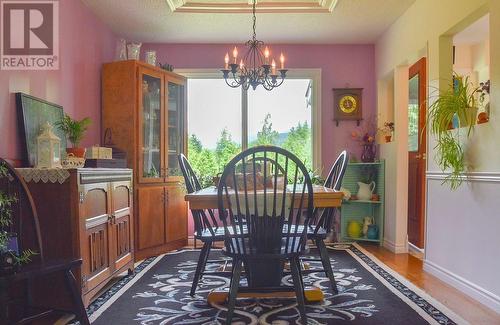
(369, 293)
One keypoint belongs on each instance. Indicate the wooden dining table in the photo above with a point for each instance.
(323, 197)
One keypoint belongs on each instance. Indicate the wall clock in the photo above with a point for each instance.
(347, 104)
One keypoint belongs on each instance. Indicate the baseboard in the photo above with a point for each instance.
(398, 249)
(412, 249)
(485, 297)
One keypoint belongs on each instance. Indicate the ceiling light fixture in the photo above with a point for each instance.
(256, 67)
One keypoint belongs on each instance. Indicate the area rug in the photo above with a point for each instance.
(369, 293)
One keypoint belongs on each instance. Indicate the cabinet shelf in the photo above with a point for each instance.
(362, 239)
(363, 201)
(356, 210)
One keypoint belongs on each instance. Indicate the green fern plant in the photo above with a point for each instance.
(457, 101)
(73, 129)
(6, 202)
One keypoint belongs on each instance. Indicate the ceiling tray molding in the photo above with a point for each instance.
(264, 6)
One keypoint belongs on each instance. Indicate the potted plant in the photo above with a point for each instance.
(458, 102)
(387, 131)
(9, 258)
(74, 131)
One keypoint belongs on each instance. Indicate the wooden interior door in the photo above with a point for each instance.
(417, 146)
(176, 225)
(151, 218)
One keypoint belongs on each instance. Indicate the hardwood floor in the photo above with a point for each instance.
(411, 268)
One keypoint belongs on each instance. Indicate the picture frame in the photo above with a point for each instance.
(32, 114)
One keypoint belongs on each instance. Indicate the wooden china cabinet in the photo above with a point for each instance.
(145, 109)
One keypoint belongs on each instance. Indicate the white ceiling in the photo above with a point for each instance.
(350, 22)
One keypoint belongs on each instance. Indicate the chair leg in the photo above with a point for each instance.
(327, 266)
(299, 288)
(207, 254)
(80, 312)
(233, 290)
(200, 267)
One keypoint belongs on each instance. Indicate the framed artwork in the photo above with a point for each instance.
(347, 104)
(32, 114)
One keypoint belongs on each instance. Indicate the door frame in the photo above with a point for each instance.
(420, 68)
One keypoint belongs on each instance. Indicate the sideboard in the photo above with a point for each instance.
(85, 213)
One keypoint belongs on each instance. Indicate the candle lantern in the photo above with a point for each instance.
(48, 148)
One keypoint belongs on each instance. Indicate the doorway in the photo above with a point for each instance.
(417, 155)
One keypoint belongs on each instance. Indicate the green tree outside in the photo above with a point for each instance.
(207, 163)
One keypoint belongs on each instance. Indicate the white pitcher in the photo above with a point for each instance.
(365, 191)
(366, 222)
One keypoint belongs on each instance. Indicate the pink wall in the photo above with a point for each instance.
(85, 43)
(340, 65)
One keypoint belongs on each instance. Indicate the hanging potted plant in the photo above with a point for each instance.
(74, 131)
(458, 103)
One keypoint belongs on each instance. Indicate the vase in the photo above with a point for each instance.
(368, 154)
(151, 57)
(133, 51)
(354, 229)
(76, 152)
(372, 232)
(367, 222)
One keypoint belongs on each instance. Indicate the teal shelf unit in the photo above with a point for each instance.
(358, 209)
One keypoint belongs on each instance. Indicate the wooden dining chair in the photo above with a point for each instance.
(16, 309)
(206, 227)
(321, 222)
(261, 210)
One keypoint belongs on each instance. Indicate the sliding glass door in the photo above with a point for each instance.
(222, 121)
(282, 117)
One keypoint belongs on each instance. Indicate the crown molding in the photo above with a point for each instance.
(264, 6)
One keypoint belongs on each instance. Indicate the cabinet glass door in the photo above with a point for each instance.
(151, 157)
(176, 111)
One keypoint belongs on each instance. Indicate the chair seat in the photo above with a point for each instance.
(218, 233)
(322, 233)
(291, 248)
(35, 270)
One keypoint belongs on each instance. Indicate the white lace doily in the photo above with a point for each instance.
(45, 175)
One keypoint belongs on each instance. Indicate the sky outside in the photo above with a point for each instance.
(212, 105)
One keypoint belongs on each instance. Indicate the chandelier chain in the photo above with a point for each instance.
(254, 20)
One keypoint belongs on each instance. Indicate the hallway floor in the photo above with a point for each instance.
(411, 268)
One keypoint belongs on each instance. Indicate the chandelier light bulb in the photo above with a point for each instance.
(282, 60)
(235, 54)
(241, 64)
(273, 67)
(226, 61)
(266, 54)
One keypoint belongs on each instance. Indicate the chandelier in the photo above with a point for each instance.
(254, 68)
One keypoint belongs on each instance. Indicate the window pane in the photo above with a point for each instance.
(282, 117)
(413, 106)
(214, 126)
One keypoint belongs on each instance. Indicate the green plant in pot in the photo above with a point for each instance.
(74, 130)
(458, 102)
(9, 259)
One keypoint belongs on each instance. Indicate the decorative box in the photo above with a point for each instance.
(96, 152)
(105, 153)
